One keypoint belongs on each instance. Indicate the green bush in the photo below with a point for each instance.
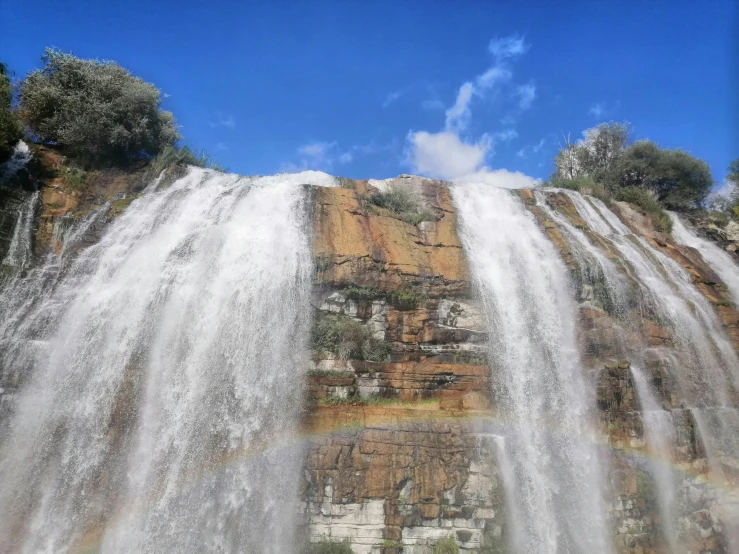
(95, 110)
(347, 338)
(11, 130)
(679, 180)
(445, 546)
(402, 204)
(182, 155)
(647, 203)
(327, 546)
(583, 184)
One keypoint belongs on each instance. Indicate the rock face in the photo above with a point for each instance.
(401, 394)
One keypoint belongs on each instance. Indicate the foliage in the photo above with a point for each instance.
(401, 204)
(595, 154)
(445, 546)
(728, 202)
(360, 293)
(604, 158)
(347, 338)
(406, 299)
(583, 184)
(390, 543)
(327, 546)
(182, 155)
(646, 202)
(96, 110)
(11, 130)
(679, 180)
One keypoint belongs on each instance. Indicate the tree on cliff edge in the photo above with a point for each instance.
(95, 110)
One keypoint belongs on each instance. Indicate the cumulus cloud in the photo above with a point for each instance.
(444, 155)
(451, 154)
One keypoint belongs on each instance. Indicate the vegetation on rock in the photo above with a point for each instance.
(402, 204)
(327, 546)
(347, 338)
(445, 546)
(95, 110)
(646, 202)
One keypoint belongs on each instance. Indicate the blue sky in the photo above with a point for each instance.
(376, 88)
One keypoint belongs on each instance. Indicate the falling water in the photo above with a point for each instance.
(718, 259)
(149, 420)
(539, 387)
(19, 252)
(708, 367)
(20, 157)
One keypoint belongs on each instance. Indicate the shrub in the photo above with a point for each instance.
(679, 180)
(402, 204)
(445, 546)
(647, 203)
(327, 546)
(96, 110)
(584, 185)
(182, 155)
(347, 338)
(11, 130)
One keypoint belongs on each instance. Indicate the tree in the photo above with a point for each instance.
(95, 110)
(679, 180)
(11, 131)
(595, 155)
(733, 175)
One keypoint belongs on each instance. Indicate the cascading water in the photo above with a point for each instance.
(718, 259)
(708, 370)
(175, 356)
(539, 385)
(658, 425)
(20, 157)
(19, 251)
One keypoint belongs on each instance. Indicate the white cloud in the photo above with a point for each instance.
(432, 105)
(320, 155)
(447, 154)
(499, 178)
(223, 120)
(444, 155)
(458, 116)
(392, 97)
(507, 47)
(597, 110)
(526, 95)
(531, 149)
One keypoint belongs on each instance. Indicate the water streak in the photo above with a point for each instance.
(527, 300)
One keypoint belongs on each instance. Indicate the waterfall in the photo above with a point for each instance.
(719, 260)
(20, 249)
(539, 385)
(173, 352)
(707, 368)
(18, 160)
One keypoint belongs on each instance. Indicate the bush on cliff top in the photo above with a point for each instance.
(402, 204)
(646, 202)
(95, 110)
